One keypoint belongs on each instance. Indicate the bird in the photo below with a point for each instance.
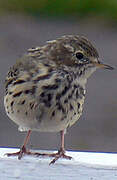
(45, 89)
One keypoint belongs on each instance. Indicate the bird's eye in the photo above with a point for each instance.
(79, 55)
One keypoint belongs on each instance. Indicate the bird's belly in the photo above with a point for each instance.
(29, 114)
(46, 124)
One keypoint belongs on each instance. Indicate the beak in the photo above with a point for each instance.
(104, 66)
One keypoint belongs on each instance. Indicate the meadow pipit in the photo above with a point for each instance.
(45, 89)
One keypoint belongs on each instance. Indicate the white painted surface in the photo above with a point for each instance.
(83, 166)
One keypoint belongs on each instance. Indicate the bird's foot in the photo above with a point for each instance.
(24, 151)
(20, 153)
(59, 154)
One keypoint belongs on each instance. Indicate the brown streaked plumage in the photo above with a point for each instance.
(45, 89)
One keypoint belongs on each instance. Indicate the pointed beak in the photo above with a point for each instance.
(103, 66)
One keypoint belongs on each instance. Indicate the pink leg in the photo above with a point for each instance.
(61, 152)
(23, 148)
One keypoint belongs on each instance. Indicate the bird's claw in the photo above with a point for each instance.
(59, 154)
(19, 153)
(23, 151)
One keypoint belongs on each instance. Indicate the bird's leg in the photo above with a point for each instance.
(23, 148)
(59, 154)
(61, 151)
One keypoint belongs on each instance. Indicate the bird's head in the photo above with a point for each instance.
(76, 52)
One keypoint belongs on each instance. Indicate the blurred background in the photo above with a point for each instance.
(25, 24)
